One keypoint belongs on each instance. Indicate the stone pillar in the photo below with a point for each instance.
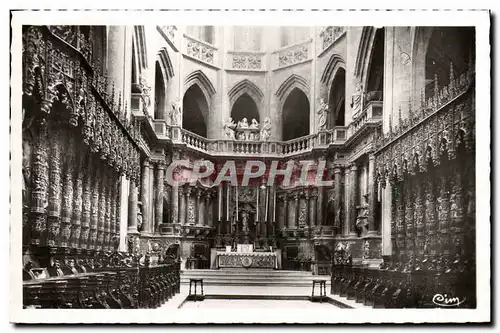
(372, 194)
(199, 207)
(313, 203)
(182, 205)
(132, 208)
(116, 46)
(297, 209)
(307, 205)
(319, 206)
(337, 172)
(386, 219)
(285, 210)
(78, 201)
(160, 179)
(354, 186)
(87, 203)
(174, 204)
(208, 209)
(152, 198)
(146, 223)
(190, 210)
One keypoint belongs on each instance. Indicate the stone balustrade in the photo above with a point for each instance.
(371, 115)
(226, 148)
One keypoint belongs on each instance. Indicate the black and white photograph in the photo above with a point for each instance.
(230, 170)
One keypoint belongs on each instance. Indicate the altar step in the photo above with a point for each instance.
(251, 277)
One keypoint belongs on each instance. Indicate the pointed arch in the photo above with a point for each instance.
(166, 64)
(364, 52)
(334, 63)
(292, 82)
(245, 87)
(199, 78)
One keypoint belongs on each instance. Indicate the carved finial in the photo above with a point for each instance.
(422, 100)
(436, 90)
(119, 108)
(400, 117)
(113, 96)
(410, 112)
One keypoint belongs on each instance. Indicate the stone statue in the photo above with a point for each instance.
(244, 219)
(322, 115)
(254, 124)
(176, 113)
(229, 126)
(357, 99)
(265, 131)
(139, 221)
(243, 123)
(146, 91)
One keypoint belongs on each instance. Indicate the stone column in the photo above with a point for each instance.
(337, 172)
(319, 205)
(160, 179)
(297, 209)
(182, 205)
(174, 204)
(308, 204)
(353, 184)
(190, 211)
(86, 203)
(152, 199)
(285, 210)
(146, 223)
(116, 48)
(372, 195)
(313, 203)
(208, 209)
(199, 207)
(78, 201)
(132, 208)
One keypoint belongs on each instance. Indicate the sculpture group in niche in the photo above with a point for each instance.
(247, 132)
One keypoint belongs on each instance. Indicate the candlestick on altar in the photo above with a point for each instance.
(267, 203)
(257, 214)
(220, 202)
(236, 189)
(274, 206)
(228, 196)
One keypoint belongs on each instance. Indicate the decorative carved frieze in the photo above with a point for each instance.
(246, 60)
(294, 54)
(200, 50)
(330, 34)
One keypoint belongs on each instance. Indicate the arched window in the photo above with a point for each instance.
(448, 46)
(295, 115)
(337, 100)
(245, 107)
(195, 111)
(293, 35)
(204, 33)
(247, 38)
(159, 93)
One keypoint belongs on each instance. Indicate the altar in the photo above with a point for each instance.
(247, 260)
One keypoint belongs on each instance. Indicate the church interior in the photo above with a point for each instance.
(389, 112)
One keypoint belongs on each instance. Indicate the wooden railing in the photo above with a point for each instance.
(121, 287)
(394, 288)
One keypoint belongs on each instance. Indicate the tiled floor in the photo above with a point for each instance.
(178, 299)
(253, 304)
